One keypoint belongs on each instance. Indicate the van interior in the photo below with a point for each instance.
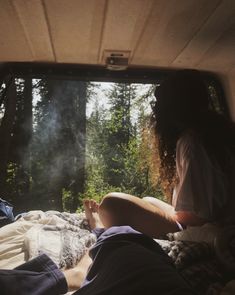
(96, 46)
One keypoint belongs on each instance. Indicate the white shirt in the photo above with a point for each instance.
(203, 188)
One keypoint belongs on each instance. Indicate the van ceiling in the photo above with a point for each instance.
(158, 33)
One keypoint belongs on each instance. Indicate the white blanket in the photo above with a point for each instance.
(63, 236)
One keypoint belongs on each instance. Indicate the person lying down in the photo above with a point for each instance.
(122, 261)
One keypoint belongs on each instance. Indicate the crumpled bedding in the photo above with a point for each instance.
(64, 242)
(204, 256)
(198, 264)
(63, 236)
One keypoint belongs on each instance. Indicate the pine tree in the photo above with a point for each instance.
(119, 132)
(6, 129)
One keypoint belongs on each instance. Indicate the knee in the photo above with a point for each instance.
(110, 201)
(116, 199)
(148, 199)
(151, 200)
(112, 209)
(105, 214)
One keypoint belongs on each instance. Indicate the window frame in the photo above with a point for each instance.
(65, 71)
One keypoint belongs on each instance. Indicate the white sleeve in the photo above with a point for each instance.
(202, 187)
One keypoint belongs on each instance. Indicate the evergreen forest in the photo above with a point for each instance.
(62, 141)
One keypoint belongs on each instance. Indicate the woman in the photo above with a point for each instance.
(196, 147)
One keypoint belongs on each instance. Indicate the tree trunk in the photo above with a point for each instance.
(6, 133)
(26, 136)
(79, 184)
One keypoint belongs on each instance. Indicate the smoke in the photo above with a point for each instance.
(57, 147)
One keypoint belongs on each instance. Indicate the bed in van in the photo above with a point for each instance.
(115, 41)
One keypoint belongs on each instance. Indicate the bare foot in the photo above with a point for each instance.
(75, 276)
(91, 208)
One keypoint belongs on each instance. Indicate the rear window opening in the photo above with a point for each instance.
(63, 140)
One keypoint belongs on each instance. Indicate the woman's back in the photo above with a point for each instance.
(204, 187)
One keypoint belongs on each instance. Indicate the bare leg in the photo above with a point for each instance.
(75, 276)
(170, 210)
(123, 209)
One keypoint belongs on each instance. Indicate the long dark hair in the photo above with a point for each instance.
(182, 105)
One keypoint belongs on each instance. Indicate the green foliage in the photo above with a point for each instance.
(66, 199)
(64, 157)
(117, 158)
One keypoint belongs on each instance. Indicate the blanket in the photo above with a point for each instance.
(64, 242)
(63, 236)
(205, 256)
(198, 264)
(207, 266)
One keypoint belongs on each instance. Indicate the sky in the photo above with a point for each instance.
(100, 96)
